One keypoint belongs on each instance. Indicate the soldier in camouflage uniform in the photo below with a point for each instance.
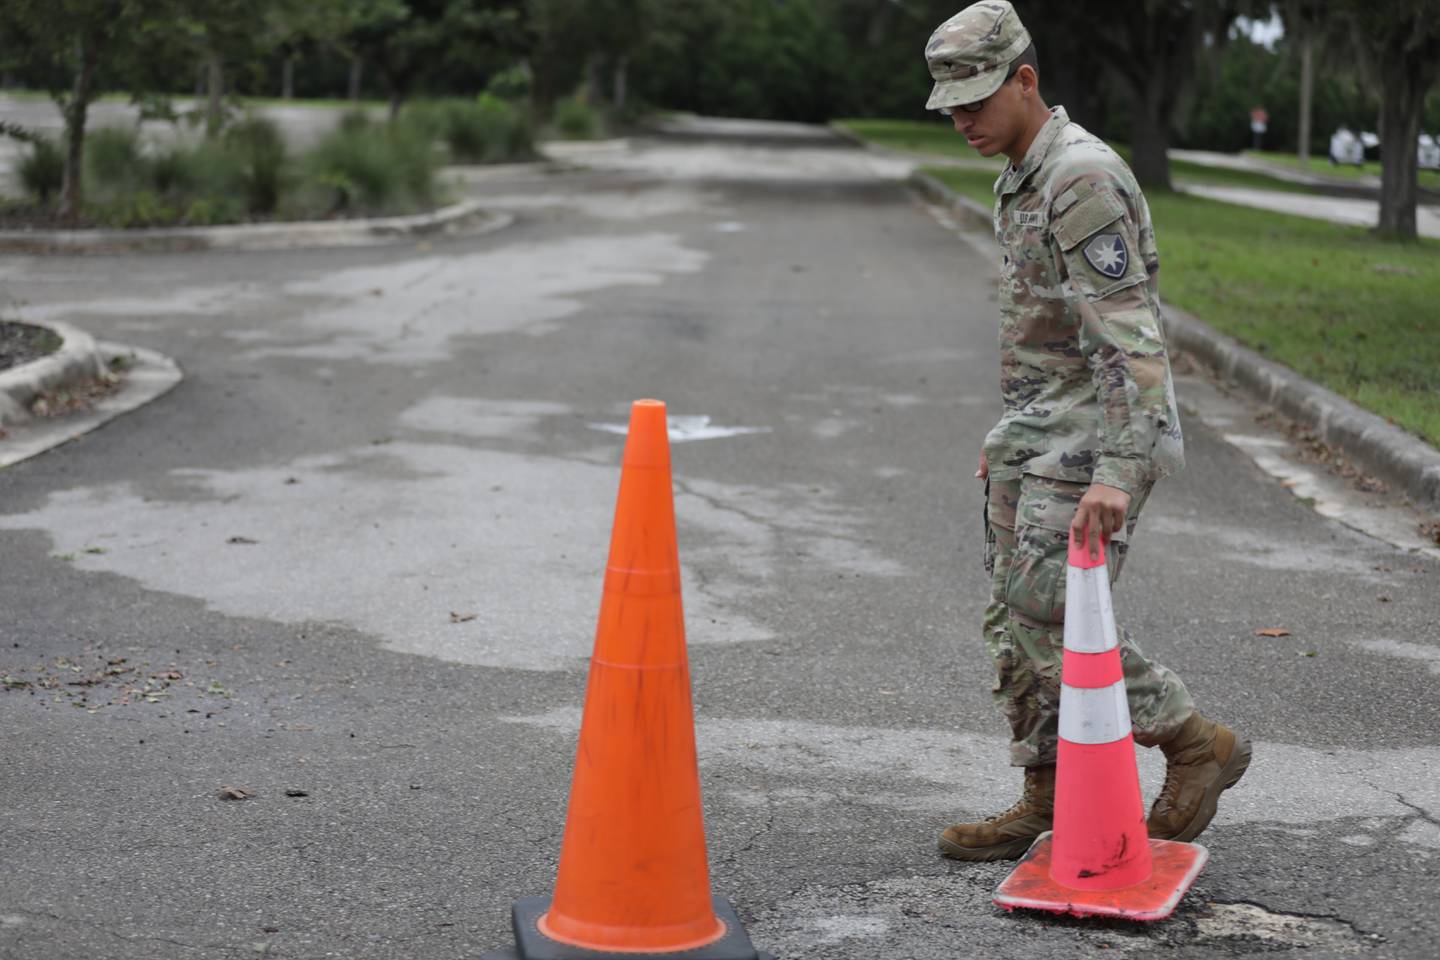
(1089, 422)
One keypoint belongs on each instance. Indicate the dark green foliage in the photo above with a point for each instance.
(113, 160)
(259, 151)
(354, 121)
(485, 130)
(42, 169)
(575, 119)
(512, 84)
(372, 171)
(751, 58)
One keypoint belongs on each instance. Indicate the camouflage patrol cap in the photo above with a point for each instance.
(969, 53)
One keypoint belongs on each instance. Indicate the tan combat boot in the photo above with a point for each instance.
(1006, 836)
(1201, 760)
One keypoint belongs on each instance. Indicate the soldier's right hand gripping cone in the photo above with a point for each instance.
(633, 878)
(1098, 860)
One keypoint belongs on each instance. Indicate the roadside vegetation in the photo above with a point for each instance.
(247, 172)
(1334, 303)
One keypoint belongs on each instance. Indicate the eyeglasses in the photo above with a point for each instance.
(975, 106)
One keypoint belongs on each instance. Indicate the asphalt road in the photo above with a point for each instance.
(357, 556)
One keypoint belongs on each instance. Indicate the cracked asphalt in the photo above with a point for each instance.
(351, 567)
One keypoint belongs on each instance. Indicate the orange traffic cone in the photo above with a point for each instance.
(633, 877)
(1099, 859)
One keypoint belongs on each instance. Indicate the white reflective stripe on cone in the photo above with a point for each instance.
(1098, 715)
(1089, 618)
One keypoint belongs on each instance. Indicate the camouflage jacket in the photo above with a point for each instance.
(1083, 371)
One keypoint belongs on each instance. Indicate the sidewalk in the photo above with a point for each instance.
(1364, 213)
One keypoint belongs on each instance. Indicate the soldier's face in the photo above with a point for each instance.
(997, 124)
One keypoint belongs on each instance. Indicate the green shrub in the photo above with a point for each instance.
(513, 84)
(509, 132)
(372, 172)
(214, 170)
(113, 159)
(355, 120)
(577, 120)
(490, 130)
(258, 150)
(42, 169)
(424, 119)
(207, 211)
(137, 208)
(172, 171)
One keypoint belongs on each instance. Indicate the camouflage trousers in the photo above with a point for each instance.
(1026, 534)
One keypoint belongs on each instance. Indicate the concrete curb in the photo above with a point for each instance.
(148, 375)
(257, 236)
(1383, 449)
(77, 359)
(1401, 459)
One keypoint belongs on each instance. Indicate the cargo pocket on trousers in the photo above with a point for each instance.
(1035, 586)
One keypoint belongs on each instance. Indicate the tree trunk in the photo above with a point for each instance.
(543, 92)
(72, 190)
(1307, 90)
(621, 89)
(215, 89)
(593, 94)
(287, 78)
(357, 68)
(1400, 109)
(397, 98)
(1150, 140)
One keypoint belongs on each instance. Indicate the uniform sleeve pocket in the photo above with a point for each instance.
(1099, 245)
(1086, 218)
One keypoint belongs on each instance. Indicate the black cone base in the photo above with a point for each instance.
(531, 944)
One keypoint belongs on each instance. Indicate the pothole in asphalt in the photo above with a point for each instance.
(931, 916)
(1251, 922)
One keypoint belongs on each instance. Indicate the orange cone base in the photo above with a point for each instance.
(1176, 865)
(532, 944)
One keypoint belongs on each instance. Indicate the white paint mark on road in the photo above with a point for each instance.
(1422, 833)
(683, 429)
(1239, 545)
(623, 204)
(480, 418)
(412, 310)
(840, 929)
(1388, 518)
(1430, 656)
(389, 540)
(832, 427)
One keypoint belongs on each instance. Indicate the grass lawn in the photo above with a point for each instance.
(1337, 305)
(1429, 179)
(940, 139)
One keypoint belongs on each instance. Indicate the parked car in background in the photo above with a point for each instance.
(1428, 152)
(1345, 148)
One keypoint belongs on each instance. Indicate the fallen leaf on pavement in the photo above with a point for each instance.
(234, 793)
(462, 617)
(296, 793)
(1272, 632)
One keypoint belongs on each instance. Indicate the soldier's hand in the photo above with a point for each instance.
(984, 470)
(1101, 512)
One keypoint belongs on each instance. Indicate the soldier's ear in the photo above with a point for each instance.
(1028, 78)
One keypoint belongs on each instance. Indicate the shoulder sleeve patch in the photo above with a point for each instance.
(1087, 218)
